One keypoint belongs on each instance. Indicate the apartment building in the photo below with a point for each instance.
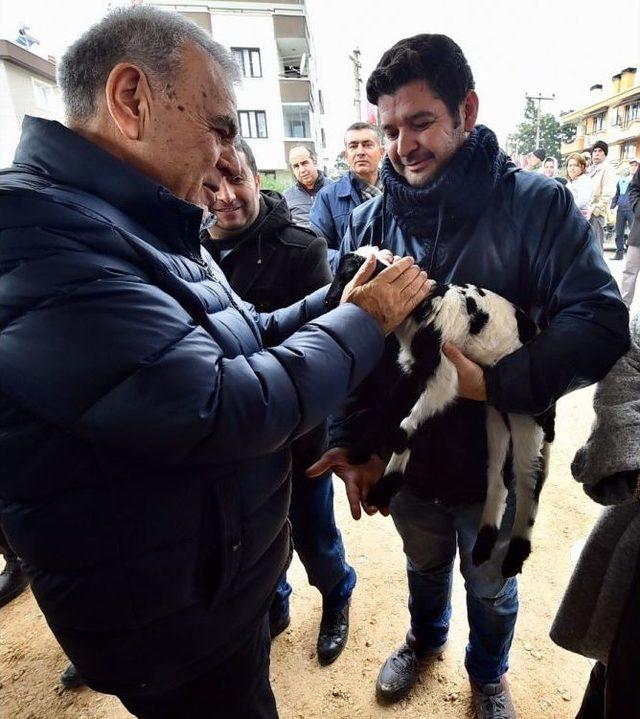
(612, 114)
(279, 102)
(27, 87)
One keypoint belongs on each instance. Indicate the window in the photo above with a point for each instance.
(632, 112)
(249, 60)
(598, 122)
(296, 121)
(253, 123)
(628, 151)
(44, 94)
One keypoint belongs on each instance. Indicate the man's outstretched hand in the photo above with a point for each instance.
(390, 296)
(358, 478)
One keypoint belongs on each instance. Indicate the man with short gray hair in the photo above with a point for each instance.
(147, 411)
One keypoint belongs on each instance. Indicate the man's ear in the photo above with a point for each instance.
(129, 100)
(258, 183)
(470, 106)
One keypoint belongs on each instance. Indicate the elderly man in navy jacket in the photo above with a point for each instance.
(454, 200)
(333, 204)
(146, 410)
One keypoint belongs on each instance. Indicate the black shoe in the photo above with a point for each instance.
(619, 255)
(492, 701)
(278, 624)
(70, 678)
(334, 631)
(401, 671)
(13, 581)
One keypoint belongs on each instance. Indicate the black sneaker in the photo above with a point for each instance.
(333, 635)
(492, 701)
(400, 672)
(70, 678)
(13, 581)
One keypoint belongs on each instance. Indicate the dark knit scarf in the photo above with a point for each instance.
(461, 191)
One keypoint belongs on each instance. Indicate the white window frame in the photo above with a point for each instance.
(251, 56)
(250, 124)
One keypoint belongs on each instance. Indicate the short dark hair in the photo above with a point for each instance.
(436, 59)
(243, 146)
(364, 126)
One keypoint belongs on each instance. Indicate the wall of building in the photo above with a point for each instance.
(23, 93)
(256, 30)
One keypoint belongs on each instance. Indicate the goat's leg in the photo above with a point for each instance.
(528, 469)
(441, 389)
(498, 436)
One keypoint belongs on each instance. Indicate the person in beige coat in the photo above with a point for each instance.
(603, 178)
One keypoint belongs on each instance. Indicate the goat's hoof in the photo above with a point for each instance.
(519, 550)
(381, 494)
(484, 544)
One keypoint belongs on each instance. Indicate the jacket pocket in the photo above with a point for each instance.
(226, 514)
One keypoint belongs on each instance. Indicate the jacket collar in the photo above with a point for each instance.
(320, 183)
(65, 157)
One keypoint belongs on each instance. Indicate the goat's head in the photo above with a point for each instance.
(348, 266)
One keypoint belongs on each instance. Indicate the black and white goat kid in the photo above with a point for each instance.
(486, 328)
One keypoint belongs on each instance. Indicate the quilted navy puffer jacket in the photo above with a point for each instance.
(144, 424)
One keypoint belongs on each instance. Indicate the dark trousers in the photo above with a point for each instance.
(316, 538)
(613, 692)
(624, 218)
(6, 551)
(239, 689)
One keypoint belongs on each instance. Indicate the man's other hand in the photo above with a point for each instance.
(358, 478)
(471, 383)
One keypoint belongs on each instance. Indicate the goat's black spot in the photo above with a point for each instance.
(526, 326)
(472, 306)
(531, 521)
(349, 265)
(425, 348)
(485, 542)
(381, 493)
(481, 292)
(519, 550)
(507, 467)
(478, 321)
(439, 290)
(399, 440)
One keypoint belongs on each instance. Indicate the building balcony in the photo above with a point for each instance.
(295, 90)
(576, 145)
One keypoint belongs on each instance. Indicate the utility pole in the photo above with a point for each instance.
(539, 98)
(357, 65)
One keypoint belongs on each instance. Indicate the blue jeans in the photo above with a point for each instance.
(430, 531)
(318, 543)
(624, 218)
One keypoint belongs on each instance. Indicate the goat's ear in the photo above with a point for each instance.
(347, 267)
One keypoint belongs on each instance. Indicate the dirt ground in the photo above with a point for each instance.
(546, 681)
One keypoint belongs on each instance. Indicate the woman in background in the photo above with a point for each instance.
(579, 182)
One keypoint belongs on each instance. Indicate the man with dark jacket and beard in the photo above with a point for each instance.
(453, 200)
(272, 263)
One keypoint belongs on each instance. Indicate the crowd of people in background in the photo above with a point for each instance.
(178, 434)
(605, 195)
